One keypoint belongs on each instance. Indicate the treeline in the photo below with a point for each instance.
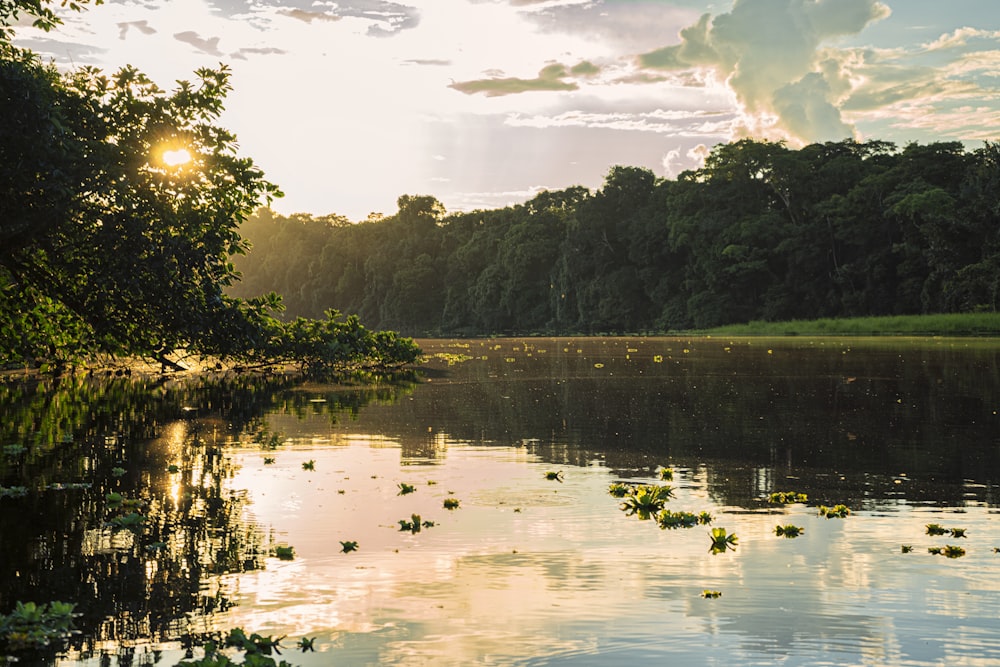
(761, 232)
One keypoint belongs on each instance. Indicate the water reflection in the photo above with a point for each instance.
(528, 570)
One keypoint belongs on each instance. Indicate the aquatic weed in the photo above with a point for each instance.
(722, 541)
(788, 531)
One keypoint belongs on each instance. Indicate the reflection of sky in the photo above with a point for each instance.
(530, 571)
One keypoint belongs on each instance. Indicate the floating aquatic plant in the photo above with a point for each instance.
(788, 531)
(13, 491)
(117, 471)
(619, 490)
(837, 511)
(451, 503)
(414, 524)
(906, 548)
(348, 547)
(666, 474)
(172, 468)
(646, 499)
(309, 465)
(284, 552)
(710, 594)
(949, 550)
(555, 476)
(405, 488)
(958, 532)
(935, 529)
(306, 644)
(787, 497)
(722, 541)
(268, 460)
(668, 519)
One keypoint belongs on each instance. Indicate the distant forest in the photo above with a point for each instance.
(761, 232)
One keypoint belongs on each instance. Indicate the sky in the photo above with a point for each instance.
(484, 103)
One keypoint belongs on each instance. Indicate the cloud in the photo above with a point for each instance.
(308, 16)
(209, 46)
(628, 24)
(549, 78)
(141, 26)
(960, 37)
(389, 18)
(659, 121)
(770, 54)
(265, 51)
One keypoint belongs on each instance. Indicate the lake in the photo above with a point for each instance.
(537, 563)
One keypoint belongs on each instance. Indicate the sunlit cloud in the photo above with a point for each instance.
(770, 53)
(551, 77)
(659, 121)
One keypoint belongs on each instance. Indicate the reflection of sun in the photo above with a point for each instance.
(176, 158)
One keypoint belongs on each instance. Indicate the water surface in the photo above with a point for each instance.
(528, 570)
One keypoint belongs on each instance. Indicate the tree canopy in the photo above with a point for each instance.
(761, 232)
(119, 216)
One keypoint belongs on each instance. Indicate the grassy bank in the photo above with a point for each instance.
(956, 324)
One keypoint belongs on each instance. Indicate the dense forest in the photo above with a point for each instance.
(761, 232)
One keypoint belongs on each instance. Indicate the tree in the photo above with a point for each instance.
(120, 213)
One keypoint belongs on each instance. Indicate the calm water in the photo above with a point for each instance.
(527, 570)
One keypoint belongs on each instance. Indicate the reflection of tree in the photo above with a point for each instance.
(74, 441)
(865, 411)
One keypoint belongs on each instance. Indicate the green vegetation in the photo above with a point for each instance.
(788, 531)
(405, 488)
(944, 324)
(619, 490)
(787, 497)
(711, 594)
(646, 499)
(722, 541)
(451, 503)
(283, 552)
(257, 651)
(309, 465)
(762, 233)
(414, 524)
(935, 529)
(666, 474)
(837, 511)
(32, 626)
(554, 476)
(348, 547)
(108, 250)
(668, 519)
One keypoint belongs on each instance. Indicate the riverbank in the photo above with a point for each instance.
(952, 324)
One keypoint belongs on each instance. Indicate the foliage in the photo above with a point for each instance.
(787, 497)
(837, 511)
(414, 524)
(451, 503)
(31, 626)
(554, 476)
(722, 541)
(619, 489)
(348, 546)
(668, 519)
(762, 233)
(106, 248)
(788, 531)
(646, 499)
(257, 650)
(405, 488)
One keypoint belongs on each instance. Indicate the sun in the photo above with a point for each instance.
(176, 158)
